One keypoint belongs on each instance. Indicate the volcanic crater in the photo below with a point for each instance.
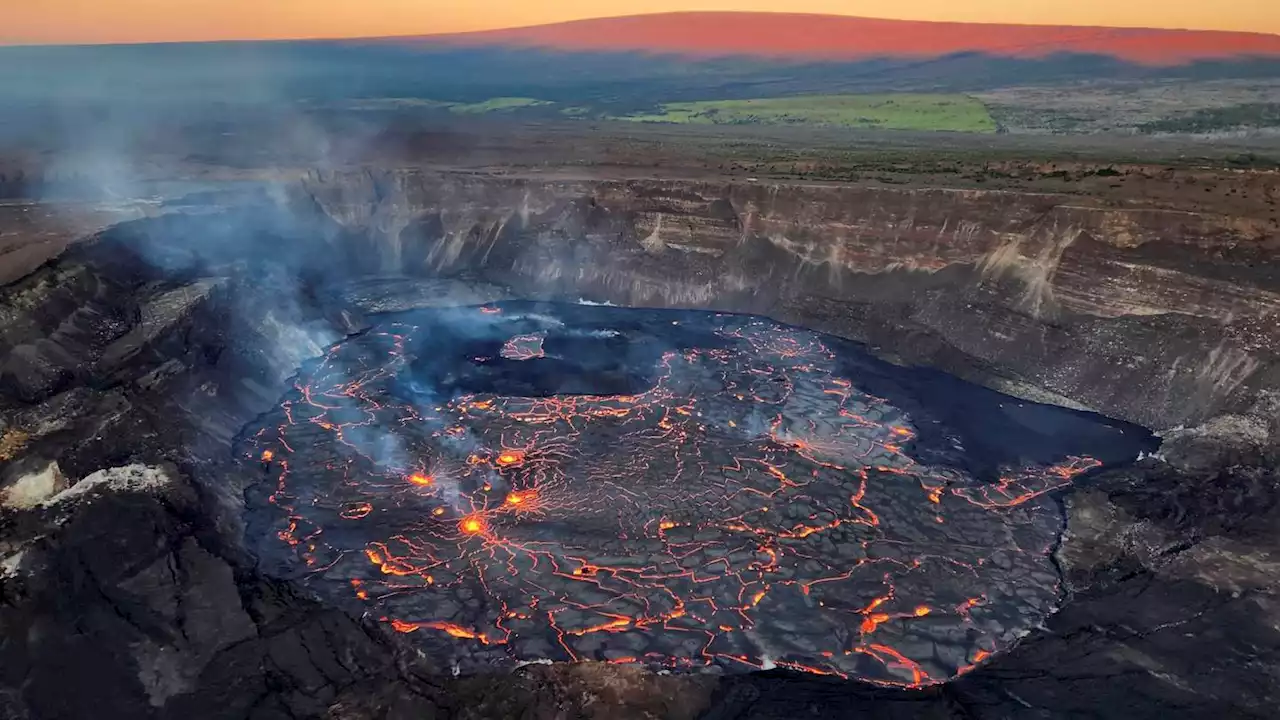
(521, 481)
(332, 473)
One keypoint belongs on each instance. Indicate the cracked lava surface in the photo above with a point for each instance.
(681, 489)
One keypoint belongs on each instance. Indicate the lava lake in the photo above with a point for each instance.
(683, 489)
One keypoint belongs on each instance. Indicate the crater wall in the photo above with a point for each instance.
(1157, 316)
(140, 353)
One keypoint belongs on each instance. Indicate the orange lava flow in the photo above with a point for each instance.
(523, 347)
(509, 458)
(751, 497)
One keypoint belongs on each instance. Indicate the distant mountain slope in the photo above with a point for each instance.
(828, 37)
(646, 66)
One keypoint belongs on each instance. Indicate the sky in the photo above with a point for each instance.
(107, 21)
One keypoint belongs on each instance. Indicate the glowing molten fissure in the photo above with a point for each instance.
(750, 493)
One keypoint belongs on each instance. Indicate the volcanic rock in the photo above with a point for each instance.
(136, 358)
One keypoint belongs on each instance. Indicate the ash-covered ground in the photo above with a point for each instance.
(521, 481)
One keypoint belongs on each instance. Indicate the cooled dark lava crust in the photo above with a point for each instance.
(526, 481)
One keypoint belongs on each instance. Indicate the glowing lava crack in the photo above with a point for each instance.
(748, 507)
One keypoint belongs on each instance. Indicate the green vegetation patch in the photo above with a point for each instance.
(899, 111)
(391, 103)
(498, 104)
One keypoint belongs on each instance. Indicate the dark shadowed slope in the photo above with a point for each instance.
(828, 37)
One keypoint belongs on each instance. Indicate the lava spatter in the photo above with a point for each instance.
(749, 507)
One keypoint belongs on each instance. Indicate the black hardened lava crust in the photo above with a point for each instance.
(521, 482)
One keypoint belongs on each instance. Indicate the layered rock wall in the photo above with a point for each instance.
(1155, 315)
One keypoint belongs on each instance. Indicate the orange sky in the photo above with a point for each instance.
(95, 21)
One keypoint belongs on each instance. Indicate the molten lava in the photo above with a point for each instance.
(509, 458)
(753, 505)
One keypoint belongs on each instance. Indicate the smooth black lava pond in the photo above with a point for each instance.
(684, 489)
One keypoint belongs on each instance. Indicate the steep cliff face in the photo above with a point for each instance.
(1150, 314)
(1155, 315)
